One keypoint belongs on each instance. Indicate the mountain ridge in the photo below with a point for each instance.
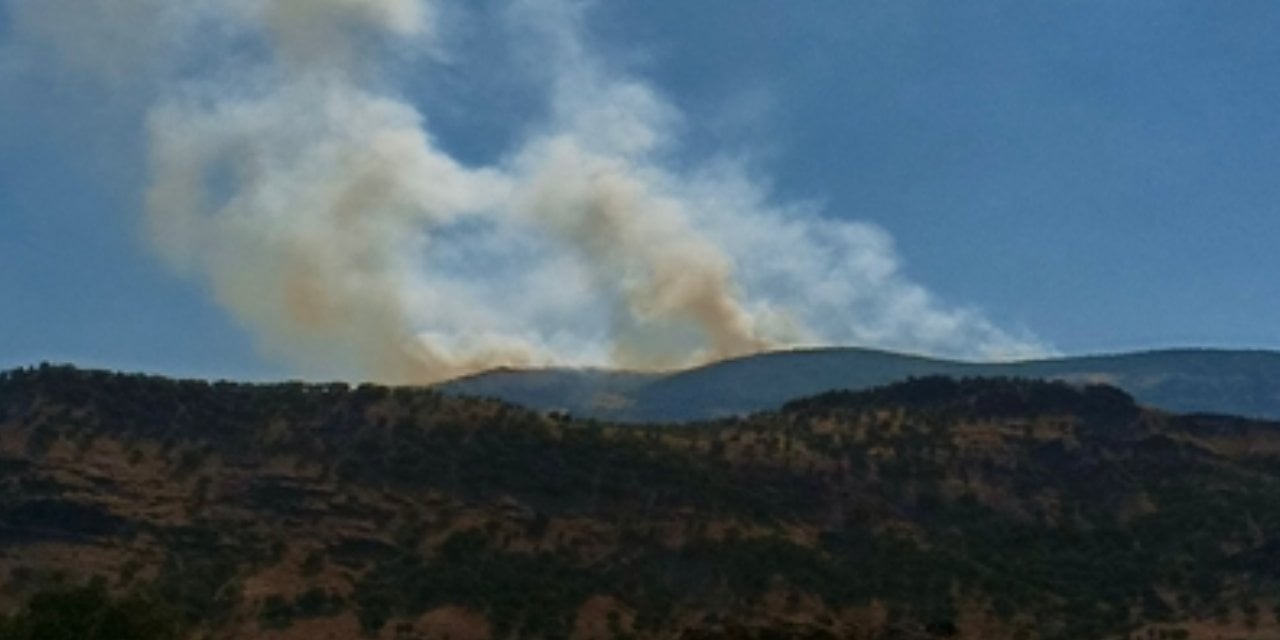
(1235, 382)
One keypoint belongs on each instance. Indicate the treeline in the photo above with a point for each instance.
(981, 398)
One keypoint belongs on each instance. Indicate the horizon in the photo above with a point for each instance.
(657, 374)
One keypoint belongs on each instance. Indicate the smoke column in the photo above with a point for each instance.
(290, 174)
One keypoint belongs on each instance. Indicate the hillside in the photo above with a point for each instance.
(1245, 383)
(975, 508)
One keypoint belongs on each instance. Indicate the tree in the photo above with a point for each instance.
(90, 613)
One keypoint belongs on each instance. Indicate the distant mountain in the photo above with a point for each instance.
(1245, 383)
(971, 509)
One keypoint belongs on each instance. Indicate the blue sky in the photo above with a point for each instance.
(1100, 174)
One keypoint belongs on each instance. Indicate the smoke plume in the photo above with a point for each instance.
(289, 173)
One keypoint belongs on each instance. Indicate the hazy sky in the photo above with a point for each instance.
(1099, 175)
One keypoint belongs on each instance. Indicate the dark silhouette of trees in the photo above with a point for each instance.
(90, 613)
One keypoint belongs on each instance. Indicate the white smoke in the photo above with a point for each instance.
(289, 174)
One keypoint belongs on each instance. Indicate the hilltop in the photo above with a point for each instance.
(933, 508)
(1244, 383)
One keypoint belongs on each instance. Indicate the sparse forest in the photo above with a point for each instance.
(142, 507)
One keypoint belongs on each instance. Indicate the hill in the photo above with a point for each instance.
(934, 508)
(1245, 383)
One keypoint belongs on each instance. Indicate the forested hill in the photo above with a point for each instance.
(973, 508)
